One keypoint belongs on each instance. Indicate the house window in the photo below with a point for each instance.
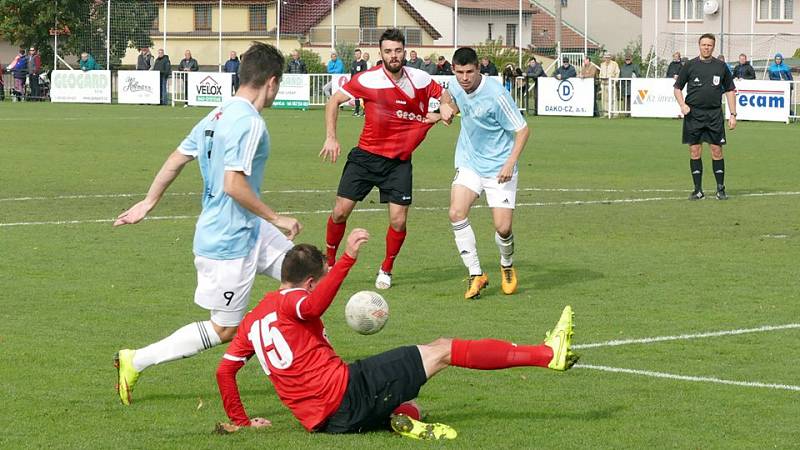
(775, 9)
(413, 36)
(691, 10)
(368, 18)
(564, 3)
(202, 17)
(511, 35)
(490, 32)
(258, 18)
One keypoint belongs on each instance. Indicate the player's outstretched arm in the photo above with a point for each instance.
(237, 187)
(331, 149)
(166, 175)
(448, 108)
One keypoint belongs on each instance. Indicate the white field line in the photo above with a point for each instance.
(649, 373)
(683, 337)
(418, 208)
(315, 191)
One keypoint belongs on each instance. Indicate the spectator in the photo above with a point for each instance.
(2, 84)
(358, 66)
(296, 65)
(608, 69)
(675, 66)
(428, 65)
(34, 62)
(19, 68)
(414, 61)
(779, 70)
(88, 63)
(743, 70)
(443, 67)
(535, 69)
(629, 69)
(722, 58)
(164, 68)
(509, 74)
(565, 71)
(588, 70)
(145, 59)
(335, 65)
(188, 64)
(366, 60)
(232, 66)
(488, 67)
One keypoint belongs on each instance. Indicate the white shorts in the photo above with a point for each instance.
(223, 285)
(498, 195)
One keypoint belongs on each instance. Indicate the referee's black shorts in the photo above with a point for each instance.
(704, 125)
(364, 170)
(377, 385)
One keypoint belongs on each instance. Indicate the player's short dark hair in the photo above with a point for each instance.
(707, 36)
(357, 50)
(301, 262)
(392, 34)
(260, 63)
(465, 56)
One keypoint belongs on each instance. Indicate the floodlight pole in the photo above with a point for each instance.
(108, 36)
(219, 67)
(722, 28)
(455, 25)
(278, 25)
(164, 38)
(752, 25)
(519, 34)
(685, 28)
(585, 28)
(395, 14)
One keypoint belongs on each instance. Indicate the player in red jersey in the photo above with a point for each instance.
(398, 116)
(286, 334)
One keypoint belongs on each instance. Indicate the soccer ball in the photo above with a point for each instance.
(366, 312)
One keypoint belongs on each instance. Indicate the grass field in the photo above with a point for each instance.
(602, 224)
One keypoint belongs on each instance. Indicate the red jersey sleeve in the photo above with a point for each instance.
(434, 90)
(234, 359)
(306, 305)
(355, 89)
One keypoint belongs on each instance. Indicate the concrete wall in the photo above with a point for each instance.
(611, 25)
(736, 17)
(438, 15)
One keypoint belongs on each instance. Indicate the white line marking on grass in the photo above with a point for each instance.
(649, 373)
(683, 337)
(418, 208)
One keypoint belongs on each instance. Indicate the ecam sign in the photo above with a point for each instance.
(765, 100)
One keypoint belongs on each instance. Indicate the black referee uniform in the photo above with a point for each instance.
(357, 66)
(706, 81)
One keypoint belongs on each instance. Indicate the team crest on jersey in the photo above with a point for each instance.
(715, 81)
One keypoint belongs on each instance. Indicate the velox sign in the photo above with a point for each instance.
(77, 86)
(138, 87)
(654, 97)
(209, 88)
(294, 92)
(572, 97)
(762, 100)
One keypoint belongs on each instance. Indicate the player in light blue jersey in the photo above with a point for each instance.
(493, 135)
(237, 235)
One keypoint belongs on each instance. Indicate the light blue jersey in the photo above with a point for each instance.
(489, 120)
(232, 137)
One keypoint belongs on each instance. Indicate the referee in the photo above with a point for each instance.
(708, 78)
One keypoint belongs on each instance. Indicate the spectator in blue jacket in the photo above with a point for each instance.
(779, 70)
(232, 66)
(88, 63)
(335, 65)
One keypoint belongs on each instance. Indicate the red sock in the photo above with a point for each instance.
(410, 409)
(394, 240)
(492, 354)
(334, 233)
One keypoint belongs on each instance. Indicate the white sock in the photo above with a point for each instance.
(506, 247)
(187, 341)
(465, 242)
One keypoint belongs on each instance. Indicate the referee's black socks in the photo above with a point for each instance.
(719, 171)
(696, 166)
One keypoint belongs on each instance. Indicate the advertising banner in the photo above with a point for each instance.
(294, 93)
(654, 97)
(140, 87)
(765, 100)
(77, 86)
(572, 97)
(209, 88)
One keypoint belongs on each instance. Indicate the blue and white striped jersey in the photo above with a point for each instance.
(233, 137)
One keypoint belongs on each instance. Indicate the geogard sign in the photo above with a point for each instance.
(294, 92)
(572, 97)
(209, 88)
(76, 86)
(762, 100)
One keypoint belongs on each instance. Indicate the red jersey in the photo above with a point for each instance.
(394, 124)
(287, 336)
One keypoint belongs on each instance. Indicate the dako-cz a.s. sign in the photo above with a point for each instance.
(572, 97)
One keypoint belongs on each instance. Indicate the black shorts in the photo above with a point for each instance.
(704, 125)
(377, 385)
(364, 170)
